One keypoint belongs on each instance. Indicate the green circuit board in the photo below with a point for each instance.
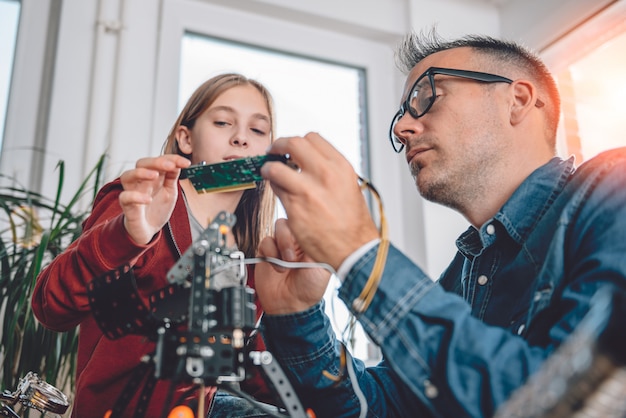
(232, 175)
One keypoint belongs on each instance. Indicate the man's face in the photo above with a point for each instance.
(450, 149)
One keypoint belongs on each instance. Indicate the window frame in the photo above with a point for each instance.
(374, 58)
(29, 92)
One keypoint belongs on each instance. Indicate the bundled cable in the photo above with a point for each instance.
(361, 303)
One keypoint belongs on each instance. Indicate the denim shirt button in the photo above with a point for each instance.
(521, 329)
(482, 280)
(491, 229)
(430, 390)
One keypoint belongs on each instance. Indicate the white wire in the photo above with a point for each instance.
(355, 385)
(290, 264)
(277, 261)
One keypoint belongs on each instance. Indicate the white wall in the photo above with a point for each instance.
(373, 19)
(455, 17)
(539, 23)
(439, 226)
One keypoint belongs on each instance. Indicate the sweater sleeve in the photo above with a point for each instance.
(59, 298)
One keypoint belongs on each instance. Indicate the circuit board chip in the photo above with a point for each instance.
(232, 175)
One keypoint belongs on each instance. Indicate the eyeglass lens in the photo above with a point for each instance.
(418, 102)
(421, 97)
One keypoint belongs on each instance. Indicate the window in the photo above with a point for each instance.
(589, 65)
(593, 89)
(9, 17)
(309, 95)
(316, 76)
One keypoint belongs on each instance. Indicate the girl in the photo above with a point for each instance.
(147, 218)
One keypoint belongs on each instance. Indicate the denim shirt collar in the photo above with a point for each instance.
(524, 208)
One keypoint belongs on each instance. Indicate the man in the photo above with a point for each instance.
(478, 125)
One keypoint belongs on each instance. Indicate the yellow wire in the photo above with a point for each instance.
(342, 368)
(361, 303)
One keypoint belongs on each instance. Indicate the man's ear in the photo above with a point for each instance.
(183, 138)
(524, 99)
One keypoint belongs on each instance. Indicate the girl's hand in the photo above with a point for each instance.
(149, 196)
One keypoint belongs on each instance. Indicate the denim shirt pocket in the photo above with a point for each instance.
(522, 319)
(541, 300)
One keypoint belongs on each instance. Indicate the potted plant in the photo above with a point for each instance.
(33, 230)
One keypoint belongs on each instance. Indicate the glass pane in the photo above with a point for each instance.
(309, 95)
(593, 90)
(9, 18)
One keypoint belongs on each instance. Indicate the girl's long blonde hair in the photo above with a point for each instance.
(255, 211)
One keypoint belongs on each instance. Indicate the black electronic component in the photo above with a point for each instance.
(201, 324)
(232, 175)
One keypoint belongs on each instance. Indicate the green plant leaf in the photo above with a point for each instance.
(25, 345)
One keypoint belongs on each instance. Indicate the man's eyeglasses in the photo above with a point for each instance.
(421, 96)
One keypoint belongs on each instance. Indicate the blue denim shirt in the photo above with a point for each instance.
(515, 291)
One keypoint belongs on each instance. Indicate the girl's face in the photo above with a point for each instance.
(236, 125)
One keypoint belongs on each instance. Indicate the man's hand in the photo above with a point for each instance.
(327, 212)
(149, 196)
(282, 290)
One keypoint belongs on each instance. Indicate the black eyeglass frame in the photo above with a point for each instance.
(397, 145)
